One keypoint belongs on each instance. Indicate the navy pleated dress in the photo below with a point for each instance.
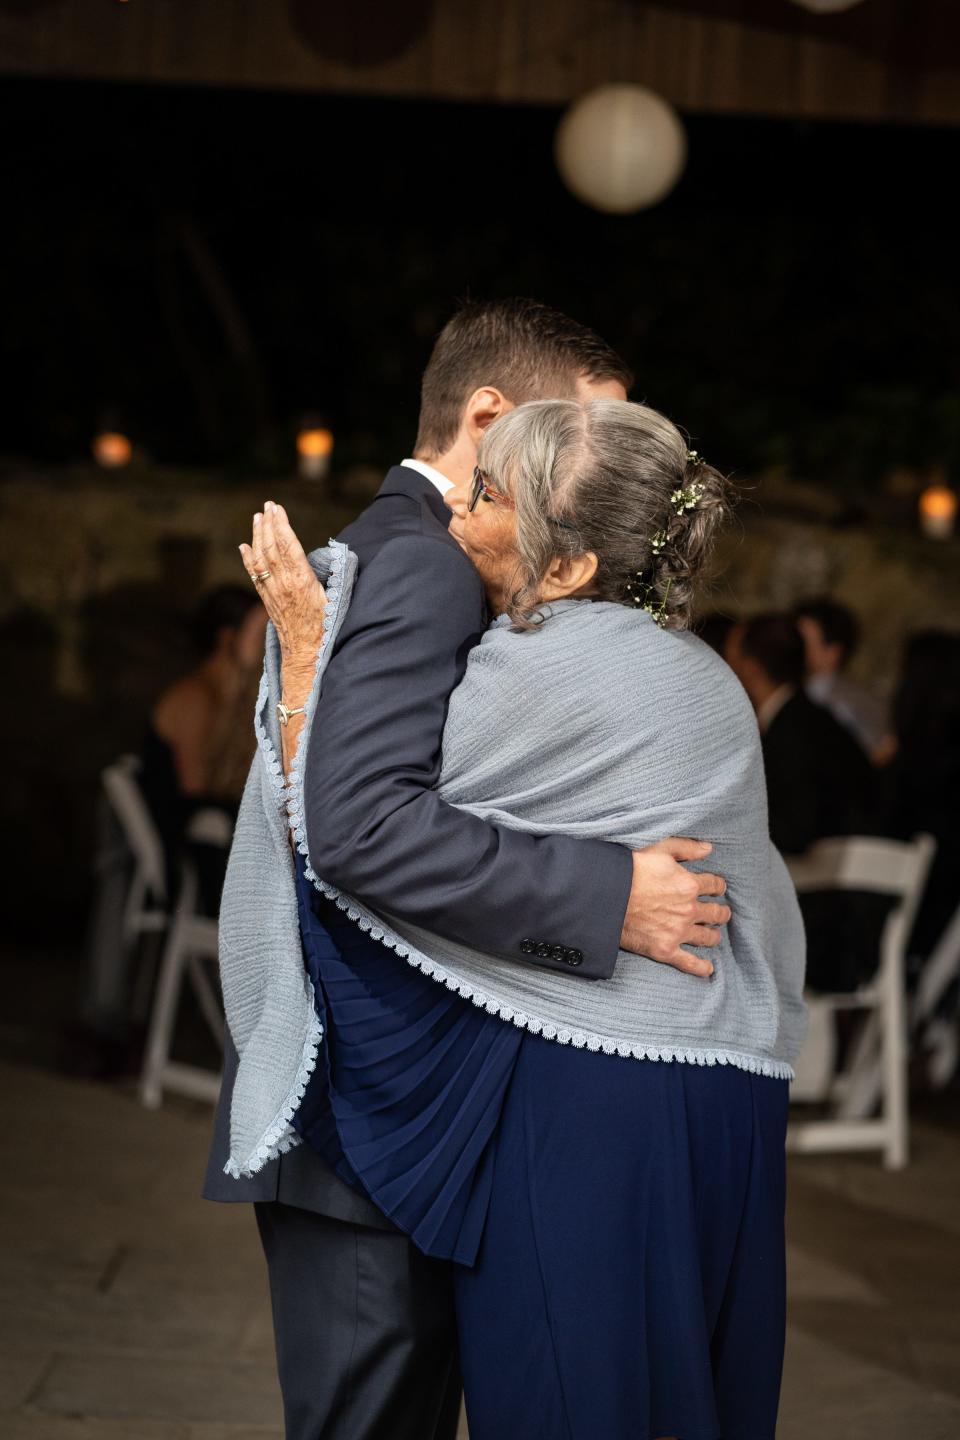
(618, 1224)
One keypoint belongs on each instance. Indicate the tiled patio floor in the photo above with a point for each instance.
(133, 1311)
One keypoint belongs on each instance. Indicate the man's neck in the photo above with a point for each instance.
(456, 464)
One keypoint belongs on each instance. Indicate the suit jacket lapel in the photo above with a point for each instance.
(401, 480)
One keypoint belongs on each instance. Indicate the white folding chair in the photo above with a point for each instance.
(939, 1033)
(145, 910)
(190, 948)
(876, 1069)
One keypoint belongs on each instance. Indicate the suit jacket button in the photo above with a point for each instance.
(574, 957)
(543, 951)
(527, 947)
(558, 952)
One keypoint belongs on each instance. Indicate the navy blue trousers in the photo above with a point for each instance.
(630, 1279)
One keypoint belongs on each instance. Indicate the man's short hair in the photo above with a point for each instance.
(838, 624)
(776, 644)
(521, 348)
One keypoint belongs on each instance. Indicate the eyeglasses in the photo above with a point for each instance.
(480, 486)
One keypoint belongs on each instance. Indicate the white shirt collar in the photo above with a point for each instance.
(434, 476)
(820, 687)
(772, 706)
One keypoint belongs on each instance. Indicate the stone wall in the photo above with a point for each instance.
(895, 580)
(85, 548)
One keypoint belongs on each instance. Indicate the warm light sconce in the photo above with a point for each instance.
(938, 512)
(314, 448)
(826, 7)
(112, 450)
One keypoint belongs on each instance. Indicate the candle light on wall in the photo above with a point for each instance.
(938, 512)
(826, 7)
(112, 449)
(314, 448)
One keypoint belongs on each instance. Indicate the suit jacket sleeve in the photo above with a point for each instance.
(378, 830)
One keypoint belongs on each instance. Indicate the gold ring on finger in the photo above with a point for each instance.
(262, 575)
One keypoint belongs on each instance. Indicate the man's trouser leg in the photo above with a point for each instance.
(365, 1330)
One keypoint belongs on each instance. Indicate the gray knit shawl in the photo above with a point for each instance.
(596, 724)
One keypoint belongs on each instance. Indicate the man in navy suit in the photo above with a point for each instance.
(364, 1323)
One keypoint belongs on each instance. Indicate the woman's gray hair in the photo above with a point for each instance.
(609, 470)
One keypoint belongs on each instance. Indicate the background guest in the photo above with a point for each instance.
(199, 741)
(195, 755)
(818, 778)
(819, 784)
(921, 786)
(831, 634)
(714, 630)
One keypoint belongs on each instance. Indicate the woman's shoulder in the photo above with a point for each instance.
(601, 628)
(616, 654)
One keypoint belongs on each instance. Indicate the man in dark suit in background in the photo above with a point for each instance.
(818, 777)
(819, 784)
(364, 1323)
(831, 635)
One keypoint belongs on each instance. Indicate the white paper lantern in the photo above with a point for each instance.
(826, 7)
(620, 148)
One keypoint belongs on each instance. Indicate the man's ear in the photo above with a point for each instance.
(569, 575)
(484, 406)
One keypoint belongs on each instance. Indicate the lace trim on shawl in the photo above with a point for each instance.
(580, 1039)
(280, 1136)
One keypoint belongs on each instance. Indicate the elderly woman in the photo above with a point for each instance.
(604, 1161)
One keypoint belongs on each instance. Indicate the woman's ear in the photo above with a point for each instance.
(569, 575)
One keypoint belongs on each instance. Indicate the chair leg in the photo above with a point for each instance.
(210, 1006)
(163, 1017)
(894, 1060)
(942, 1043)
(941, 969)
(164, 1013)
(148, 955)
(863, 1073)
(134, 904)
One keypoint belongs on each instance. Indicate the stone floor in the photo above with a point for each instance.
(132, 1311)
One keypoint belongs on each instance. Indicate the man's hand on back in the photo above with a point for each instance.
(665, 910)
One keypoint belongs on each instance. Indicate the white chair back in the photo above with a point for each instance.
(210, 826)
(863, 862)
(877, 1069)
(133, 815)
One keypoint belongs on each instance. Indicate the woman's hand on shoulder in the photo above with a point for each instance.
(292, 595)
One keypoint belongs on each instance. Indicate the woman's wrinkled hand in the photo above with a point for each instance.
(293, 597)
